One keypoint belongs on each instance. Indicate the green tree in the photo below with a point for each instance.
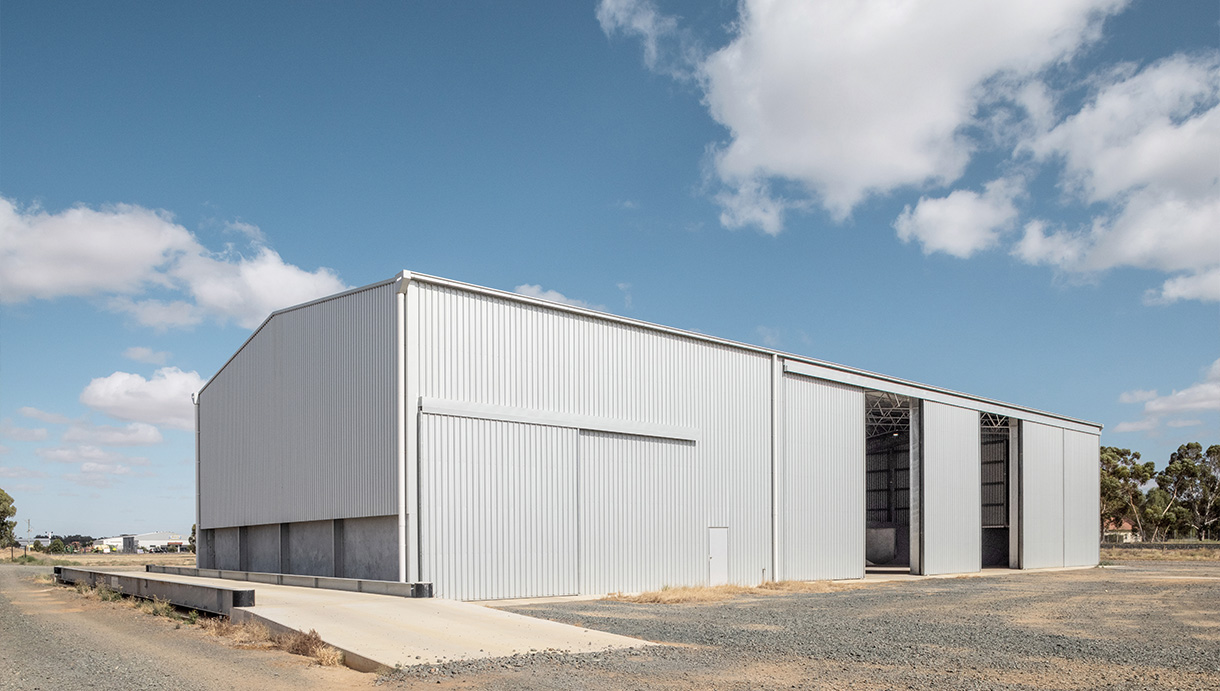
(1122, 488)
(37, 546)
(7, 511)
(192, 537)
(1202, 496)
(57, 547)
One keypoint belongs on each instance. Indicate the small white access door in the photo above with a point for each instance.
(717, 556)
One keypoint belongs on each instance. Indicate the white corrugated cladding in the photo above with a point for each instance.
(300, 424)
(500, 358)
(1042, 495)
(821, 479)
(641, 526)
(952, 506)
(502, 508)
(1081, 499)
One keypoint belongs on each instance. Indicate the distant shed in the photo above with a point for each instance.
(496, 445)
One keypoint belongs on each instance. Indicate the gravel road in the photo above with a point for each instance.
(1140, 625)
(51, 638)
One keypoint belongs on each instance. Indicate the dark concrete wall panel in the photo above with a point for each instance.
(311, 548)
(263, 547)
(370, 548)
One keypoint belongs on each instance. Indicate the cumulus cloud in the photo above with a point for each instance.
(1137, 396)
(852, 99)
(84, 453)
(1144, 146)
(163, 400)
(536, 291)
(1203, 396)
(10, 431)
(146, 355)
(132, 434)
(667, 48)
(142, 263)
(19, 473)
(962, 223)
(44, 416)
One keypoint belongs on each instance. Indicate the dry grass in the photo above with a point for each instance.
(245, 634)
(696, 594)
(250, 634)
(1157, 554)
(309, 645)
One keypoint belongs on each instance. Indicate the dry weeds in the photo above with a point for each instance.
(1159, 554)
(674, 595)
(309, 645)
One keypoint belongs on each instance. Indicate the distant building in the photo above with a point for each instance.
(500, 446)
(148, 542)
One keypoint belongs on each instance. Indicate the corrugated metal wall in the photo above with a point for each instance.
(952, 520)
(640, 514)
(1042, 495)
(821, 476)
(1081, 499)
(502, 508)
(300, 425)
(482, 349)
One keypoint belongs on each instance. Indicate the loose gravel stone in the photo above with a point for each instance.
(1142, 626)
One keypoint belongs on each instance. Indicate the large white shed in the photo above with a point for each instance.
(497, 446)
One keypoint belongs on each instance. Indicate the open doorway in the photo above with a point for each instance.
(887, 543)
(995, 457)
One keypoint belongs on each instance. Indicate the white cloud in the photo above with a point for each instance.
(249, 288)
(43, 416)
(1204, 395)
(536, 291)
(1145, 147)
(17, 473)
(1201, 396)
(83, 453)
(146, 355)
(10, 431)
(82, 252)
(132, 434)
(164, 400)
(771, 337)
(1137, 396)
(962, 223)
(129, 256)
(1145, 425)
(666, 48)
(852, 99)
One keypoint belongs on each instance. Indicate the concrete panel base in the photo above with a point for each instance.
(370, 548)
(311, 548)
(207, 598)
(262, 547)
(226, 545)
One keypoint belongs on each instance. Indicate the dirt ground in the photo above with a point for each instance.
(53, 638)
(1132, 625)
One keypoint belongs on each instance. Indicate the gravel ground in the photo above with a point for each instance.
(1132, 626)
(52, 638)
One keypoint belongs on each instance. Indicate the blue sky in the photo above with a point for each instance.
(1018, 200)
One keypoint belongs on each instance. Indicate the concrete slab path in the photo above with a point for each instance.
(383, 631)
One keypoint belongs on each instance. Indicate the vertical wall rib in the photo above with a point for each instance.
(640, 525)
(502, 508)
(952, 506)
(1081, 499)
(822, 480)
(1042, 495)
(482, 349)
(299, 425)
